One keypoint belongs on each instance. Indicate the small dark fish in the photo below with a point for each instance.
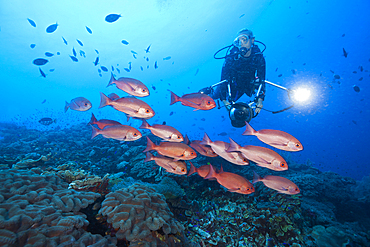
(47, 121)
(361, 78)
(88, 30)
(196, 72)
(356, 88)
(31, 22)
(99, 70)
(241, 15)
(129, 65)
(332, 71)
(155, 65)
(293, 71)
(96, 61)
(202, 119)
(222, 134)
(48, 54)
(82, 53)
(79, 42)
(124, 42)
(40, 61)
(43, 101)
(343, 35)
(126, 69)
(74, 52)
(337, 77)
(141, 67)
(134, 56)
(147, 67)
(64, 40)
(354, 72)
(100, 75)
(133, 52)
(353, 121)
(167, 58)
(201, 128)
(58, 53)
(276, 69)
(361, 68)
(153, 87)
(171, 113)
(320, 74)
(147, 49)
(97, 52)
(104, 68)
(112, 18)
(112, 68)
(119, 71)
(74, 59)
(52, 28)
(51, 70)
(280, 75)
(42, 73)
(147, 59)
(345, 54)
(331, 87)
(164, 123)
(304, 63)
(32, 46)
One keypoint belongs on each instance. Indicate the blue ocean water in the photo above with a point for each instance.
(304, 39)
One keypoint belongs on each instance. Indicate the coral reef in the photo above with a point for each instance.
(39, 210)
(141, 216)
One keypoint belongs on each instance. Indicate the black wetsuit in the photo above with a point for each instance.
(241, 73)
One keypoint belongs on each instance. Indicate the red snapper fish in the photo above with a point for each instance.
(102, 122)
(280, 184)
(132, 106)
(202, 170)
(176, 167)
(231, 181)
(200, 148)
(176, 150)
(275, 138)
(199, 101)
(117, 132)
(260, 155)
(130, 85)
(78, 104)
(165, 132)
(220, 147)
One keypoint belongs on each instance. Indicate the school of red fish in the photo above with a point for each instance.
(175, 148)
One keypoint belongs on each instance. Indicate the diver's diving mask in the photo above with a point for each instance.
(241, 40)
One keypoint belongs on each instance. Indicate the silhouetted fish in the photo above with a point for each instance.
(82, 53)
(119, 71)
(133, 52)
(126, 69)
(337, 77)
(343, 35)
(96, 61)
(64, 40)
(74, 59)
(155, 65)
(97, 52)
(79, 42)
(356, 88)
(99, 70)
(241, 15)
(104, 68)
(134, 56)
(124, 42)
(167, 58)
(147, 59)
(48, 54)
(58, 53)
(361, 68)
(112, 18)
(47, 121)
(31, 22)
(361, 78)
(40, 61)
(280, 75)
(74, 52)
(32, 46)
(196, 72)
(112, 68)
(52, 28)
(43, 101)
(42, 73)
(129, 65)
(51, 70)
(345, 54)
(222, 134)
(141, 67)
(153, 87)
(147, 49)
(88, 30)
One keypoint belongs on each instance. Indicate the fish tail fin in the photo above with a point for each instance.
(93, 119)
(66, 107)
(104, 100)
(206, 140)
(174, 98)
(212, 173)
(149, 157)
(193, 169)
(221, 170)
(149, 145)
(144, 125)
(95, 132)
(249, 130)
(256, 178)
(186, 140)
(112, 80)
(233, 147)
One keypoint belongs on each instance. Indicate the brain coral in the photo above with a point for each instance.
(38, 210)
(138, 213)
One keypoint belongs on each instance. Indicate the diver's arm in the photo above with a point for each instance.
(261, 74)
(226, 74)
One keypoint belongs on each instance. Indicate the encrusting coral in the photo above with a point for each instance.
(141, 215)
(39, 210)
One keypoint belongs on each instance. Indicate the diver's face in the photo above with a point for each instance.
(243, 41)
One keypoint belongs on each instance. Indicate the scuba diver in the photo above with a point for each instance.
(243, 72)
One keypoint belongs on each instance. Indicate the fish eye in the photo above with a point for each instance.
(85, 104)
(296, 189)
(147, 111)
(183, 170)
(144, 90)
(282, 164)
(178, 137)
(245, 160)
(298, 145)
(135, 134)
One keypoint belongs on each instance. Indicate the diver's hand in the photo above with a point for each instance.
(259, 106)
(227, 105)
